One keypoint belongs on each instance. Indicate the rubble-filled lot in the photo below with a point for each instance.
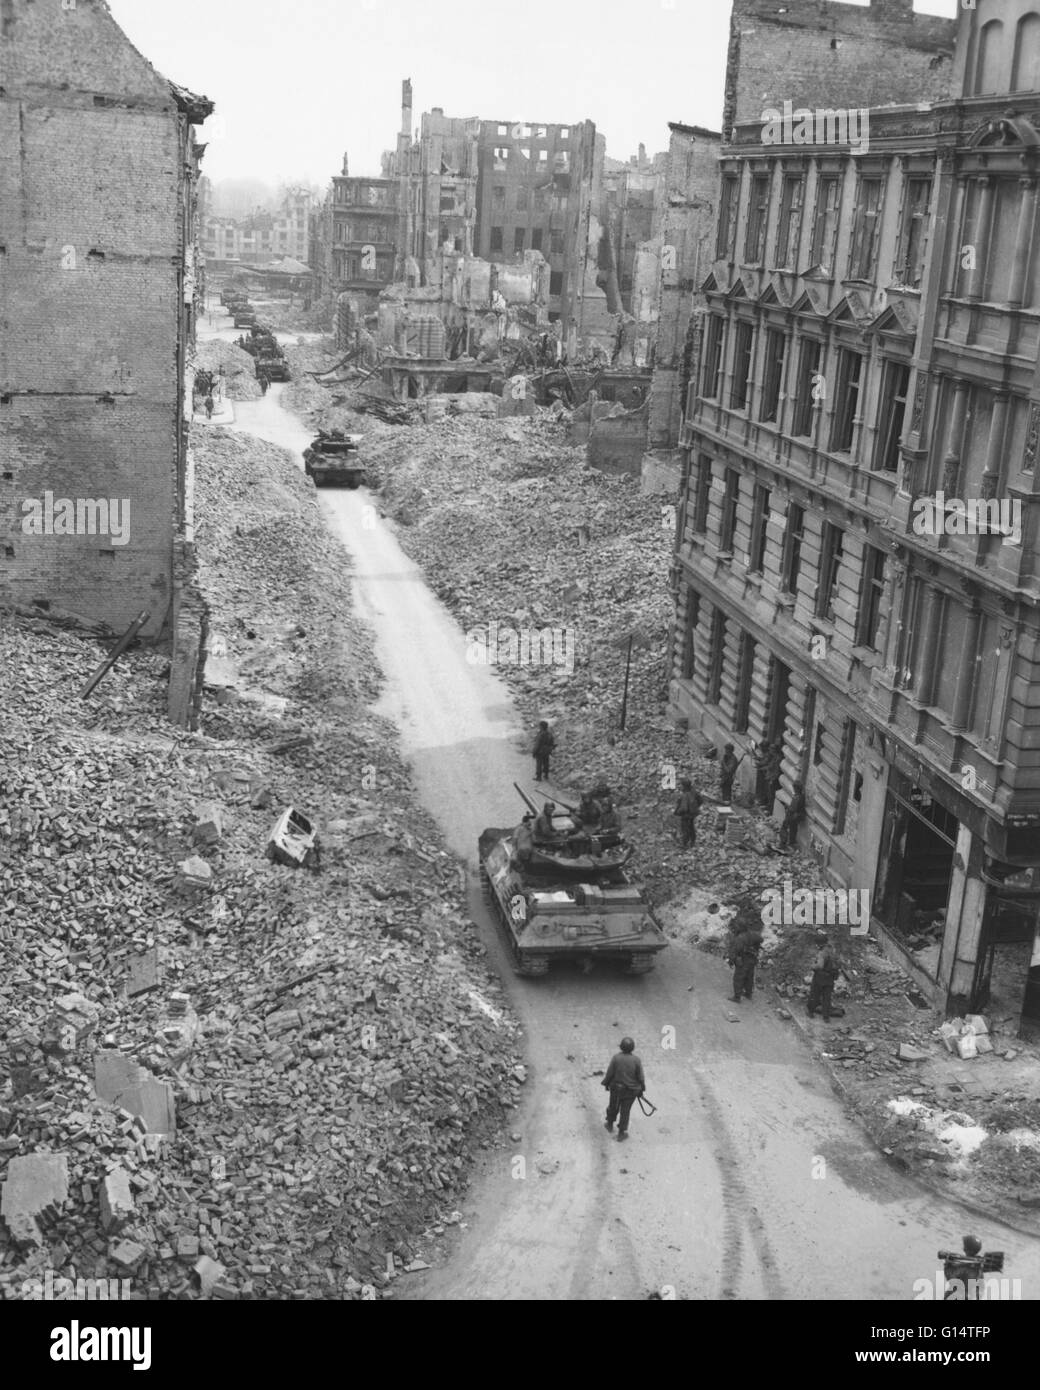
(510, 526)
(221, 1076)
(239, 368)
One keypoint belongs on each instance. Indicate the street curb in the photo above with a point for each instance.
(925, 1180)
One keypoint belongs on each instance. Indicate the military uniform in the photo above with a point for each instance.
(743, 957)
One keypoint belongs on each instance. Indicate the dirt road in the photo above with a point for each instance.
(749, 1182)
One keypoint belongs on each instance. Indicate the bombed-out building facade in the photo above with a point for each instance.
(100, 287)
(856, 564)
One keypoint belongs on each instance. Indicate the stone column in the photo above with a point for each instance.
(925, 686)
(969, 660)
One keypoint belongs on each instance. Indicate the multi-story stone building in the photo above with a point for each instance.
(262, 237)
(99, 293)
(686, 232)
(872, 339)
(538, 189)
(355, 246)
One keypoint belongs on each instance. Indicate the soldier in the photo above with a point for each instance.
(688, 808)
(264, 382)
(825, 971)
(610, 820)
(209, 407)
(963, 1273)
(793, 817)
(544, 743)
(727, 771)
(743, 956)
(625, 1081)
(543, 825)
(589, 812)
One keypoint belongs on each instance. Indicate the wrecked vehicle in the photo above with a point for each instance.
(335, 457)
(556, 906)
(294, 841)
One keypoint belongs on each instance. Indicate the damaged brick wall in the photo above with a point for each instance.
(91, 227)
(822, 53)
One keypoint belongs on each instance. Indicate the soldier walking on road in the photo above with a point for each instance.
(688, 808)
(743, 956)
(544, 743)
(625, 1081)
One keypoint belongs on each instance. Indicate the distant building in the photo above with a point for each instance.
(99, 293)
(263, 236)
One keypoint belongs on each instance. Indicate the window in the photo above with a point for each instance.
(501, 155)
(758, 208)
(1025, 70)
(727, 216)
(713, 356)
(536, 239)
(556, 242)
(543, 156)
(745, 671)
(521, 200)
(496, 238)
(702, 498)
(865, 230)
(729, 509)
(498, 195)
(565, 132)
(808, 368)
(909, 265)
(540, 132)
(773, 375)
(502, 130)
(555, 282)
(741, 367)
(791, 560)
(759, 523)
(718, 650)
(790, 224)
(693, 617)
(518, 239)
(891, 413)
(830, 567)
(828, 198)
(871, 589)
(848, 752)
(447, 200)
(850, 364)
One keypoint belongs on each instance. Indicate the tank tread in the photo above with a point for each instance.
(485, 885)
(641, 963)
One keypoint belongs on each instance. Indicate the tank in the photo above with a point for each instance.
(334, 457)
(555, 905)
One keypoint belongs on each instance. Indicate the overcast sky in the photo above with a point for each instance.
(297, 82)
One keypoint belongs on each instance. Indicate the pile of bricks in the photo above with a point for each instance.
(272, 1083)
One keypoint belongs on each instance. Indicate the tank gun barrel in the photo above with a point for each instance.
(527, 800)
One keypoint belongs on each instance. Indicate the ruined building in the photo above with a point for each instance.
(99, 293)
(856, 569)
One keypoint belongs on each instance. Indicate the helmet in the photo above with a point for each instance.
(549, 808)
(627, 1045)
(972, 1245)
(821, 936)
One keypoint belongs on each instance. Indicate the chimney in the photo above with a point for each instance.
(346, 165)
(406, 106)
(642, 155)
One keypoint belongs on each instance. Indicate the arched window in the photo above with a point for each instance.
(1025, 70)
(989, 58)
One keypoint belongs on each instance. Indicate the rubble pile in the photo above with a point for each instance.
(223, 1077)
(239, 368)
